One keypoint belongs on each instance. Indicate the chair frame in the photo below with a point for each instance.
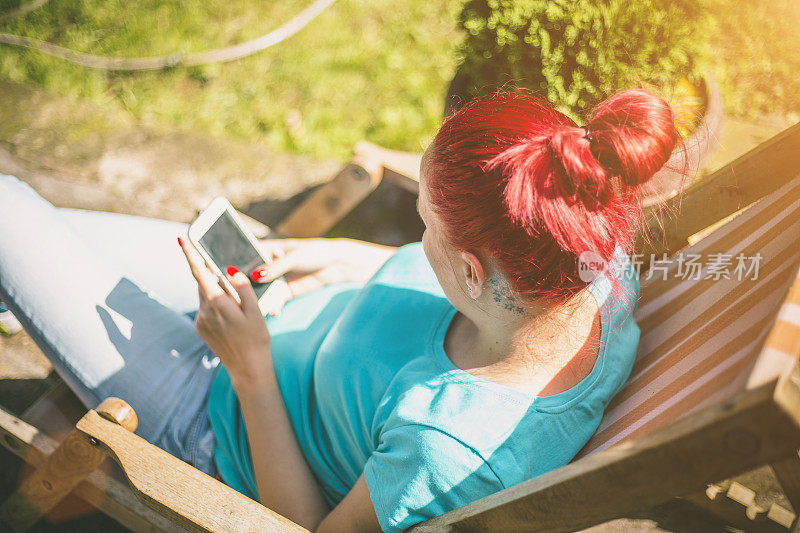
(760, 426)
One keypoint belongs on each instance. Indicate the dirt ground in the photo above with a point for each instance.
(75, 155)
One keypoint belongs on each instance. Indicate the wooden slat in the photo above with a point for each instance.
(719, 442)
(400, 168)
(332, 201)
(788, 473)
(787, 394)
(64, 469)
(24, 440)
(731, 188)
(191, 498)
(782, 346)
(56, 411)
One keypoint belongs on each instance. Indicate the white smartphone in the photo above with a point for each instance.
(220, 236)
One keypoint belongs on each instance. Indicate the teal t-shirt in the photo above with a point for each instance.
(369, 388)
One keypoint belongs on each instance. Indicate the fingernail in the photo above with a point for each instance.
(180, 242)
(258, 274)
(231, 270)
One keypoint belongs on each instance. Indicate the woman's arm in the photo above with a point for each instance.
(238, 335)
(285, 482)
(309, 264)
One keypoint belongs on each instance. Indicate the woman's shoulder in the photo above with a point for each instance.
(406, 270)
(407, 265)
(435, 438)
(424, 395)
(453, 426)
(419, 471)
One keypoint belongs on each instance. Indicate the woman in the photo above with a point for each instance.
(383, 395)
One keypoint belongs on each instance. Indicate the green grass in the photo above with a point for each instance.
(375, 70)
(364, 69)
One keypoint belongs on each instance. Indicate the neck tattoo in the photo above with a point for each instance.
(502, 294)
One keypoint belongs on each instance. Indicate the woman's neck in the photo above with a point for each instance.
(537, 350)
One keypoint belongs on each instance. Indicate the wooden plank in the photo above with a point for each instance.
(333, 200)
(55, 412)
(400, 168)
(788, 473)
(787, 392)
(736, 185)
(64, 469)
(24, 440)
(401, 180)
(716, 443)
(171, 486)
(100, 489)
(736, 505)
(61, 472)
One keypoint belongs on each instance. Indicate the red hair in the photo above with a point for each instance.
(515, 179)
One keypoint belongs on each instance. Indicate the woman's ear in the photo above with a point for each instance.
(474, 274)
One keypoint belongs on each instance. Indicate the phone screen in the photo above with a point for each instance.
(227, 245)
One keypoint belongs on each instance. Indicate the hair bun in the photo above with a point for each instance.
(633, 135)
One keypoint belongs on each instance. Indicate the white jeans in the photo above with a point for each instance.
(109, 300)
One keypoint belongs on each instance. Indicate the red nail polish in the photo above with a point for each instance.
(257, 274)
(180, 242)
(231, 270)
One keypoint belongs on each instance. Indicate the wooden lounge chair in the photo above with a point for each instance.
(715, 392)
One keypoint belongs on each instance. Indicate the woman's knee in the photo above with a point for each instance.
(16, 196)
(11, 187)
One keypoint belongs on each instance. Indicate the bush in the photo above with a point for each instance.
(574, 52)
(757, 56)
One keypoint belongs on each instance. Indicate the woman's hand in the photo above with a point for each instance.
(236, 333)
(309, 264)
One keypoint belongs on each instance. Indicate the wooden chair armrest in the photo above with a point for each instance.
(187, 496)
